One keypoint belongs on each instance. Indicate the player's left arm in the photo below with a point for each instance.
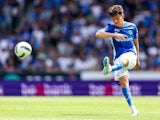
(136, 43)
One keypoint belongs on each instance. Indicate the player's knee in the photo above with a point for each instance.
(123, 81)
(125, 62)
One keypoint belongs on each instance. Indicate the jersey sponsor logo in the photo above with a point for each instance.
(125, 40)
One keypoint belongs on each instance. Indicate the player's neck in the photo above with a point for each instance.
(121, 25)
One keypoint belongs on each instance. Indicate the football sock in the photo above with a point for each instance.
(117, 66)
(127, 94)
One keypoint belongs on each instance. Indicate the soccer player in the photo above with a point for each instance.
(124, 40)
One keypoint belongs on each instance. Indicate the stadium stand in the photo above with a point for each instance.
(62, 34)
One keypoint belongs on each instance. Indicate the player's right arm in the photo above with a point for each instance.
(103, 34)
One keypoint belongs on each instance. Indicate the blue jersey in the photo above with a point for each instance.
(126, 45)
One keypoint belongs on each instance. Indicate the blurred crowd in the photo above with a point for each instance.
(62, 34)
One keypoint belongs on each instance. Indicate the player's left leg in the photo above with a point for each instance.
(127, 94)
(129, 60)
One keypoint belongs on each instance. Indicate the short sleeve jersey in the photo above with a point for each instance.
(122, 46)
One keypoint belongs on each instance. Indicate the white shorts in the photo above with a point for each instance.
(124, 71)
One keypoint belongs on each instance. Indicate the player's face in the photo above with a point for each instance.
(118, 20)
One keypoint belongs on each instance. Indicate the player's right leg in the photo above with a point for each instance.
(107, 68)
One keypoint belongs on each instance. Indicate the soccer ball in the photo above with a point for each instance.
(23, 49)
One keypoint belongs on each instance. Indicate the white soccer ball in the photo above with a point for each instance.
(23, 49)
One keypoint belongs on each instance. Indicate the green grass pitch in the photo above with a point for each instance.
(77, 108)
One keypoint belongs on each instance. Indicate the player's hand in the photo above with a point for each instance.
(120, 36)
(137, 64)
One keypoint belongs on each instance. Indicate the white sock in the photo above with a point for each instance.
(133, 108)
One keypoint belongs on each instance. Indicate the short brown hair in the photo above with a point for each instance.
(115, 10)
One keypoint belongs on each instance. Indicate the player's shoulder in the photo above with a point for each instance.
(130, 24)
(110, 25)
